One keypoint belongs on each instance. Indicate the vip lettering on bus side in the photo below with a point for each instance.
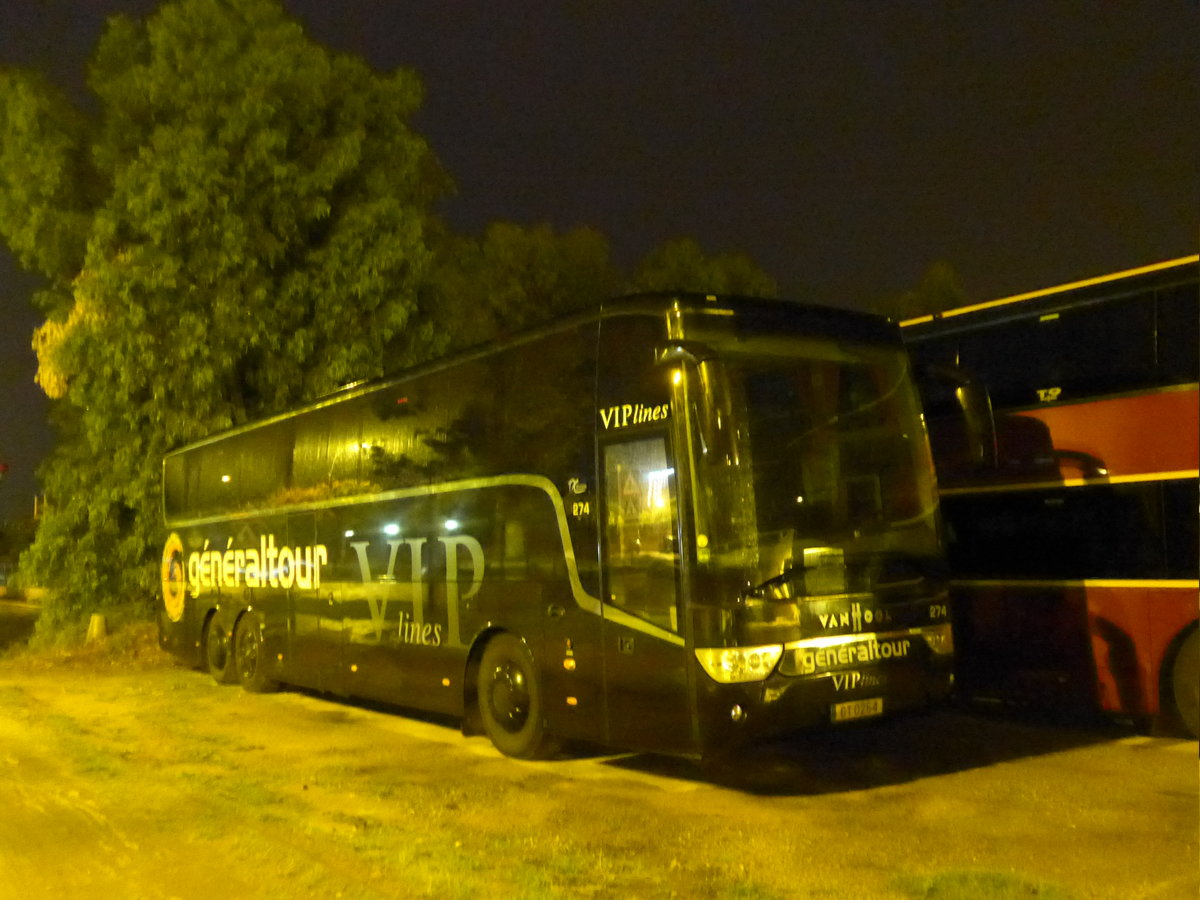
(624, 415)
(267, 565)
(823, 659)
(412, 627)
(849, 681)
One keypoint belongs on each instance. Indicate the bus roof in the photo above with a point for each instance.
(1168, 266)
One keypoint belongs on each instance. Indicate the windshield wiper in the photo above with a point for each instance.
(783, 577)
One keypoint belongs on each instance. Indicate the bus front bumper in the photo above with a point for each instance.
(738, 715)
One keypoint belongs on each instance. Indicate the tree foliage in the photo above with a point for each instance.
(680, 265)
(238, 223)
(938, 290)
(514, 277)
(241, 226)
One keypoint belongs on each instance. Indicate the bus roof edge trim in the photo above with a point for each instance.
(1057, 289)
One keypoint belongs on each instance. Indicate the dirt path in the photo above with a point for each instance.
(153, 782)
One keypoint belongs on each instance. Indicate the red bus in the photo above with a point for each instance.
(1073, 538)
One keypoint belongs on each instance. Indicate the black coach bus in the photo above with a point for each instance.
(676, 524)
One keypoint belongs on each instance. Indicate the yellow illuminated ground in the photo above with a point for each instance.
(124, 776)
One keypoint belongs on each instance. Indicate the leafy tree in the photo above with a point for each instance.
(938, 290)
(242, 225)
(680, 265)
(515, 277)
(530, 274)
(237, 224)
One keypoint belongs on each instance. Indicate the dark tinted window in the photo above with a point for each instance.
(327, 454)
(546, 406)
(528, 409)
(430, 429)
(1179, 335)
(216, 476)
(1094, 349)
(248, 470)
(1181, 500)
(631, 386)
(175, 486)
(1147, 339)
(549, 411)
(1106, 531)
(265, 464)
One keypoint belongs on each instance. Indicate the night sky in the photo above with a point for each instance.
(843, 146)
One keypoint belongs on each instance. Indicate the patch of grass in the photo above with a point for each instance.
(12, 696)
(63, 725)
(748, 890)
(248, 796)
(558, 866)
(78, 743)
(432, 865)
(965, 884)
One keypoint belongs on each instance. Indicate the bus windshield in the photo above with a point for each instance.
(811, 467)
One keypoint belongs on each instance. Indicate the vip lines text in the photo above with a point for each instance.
(628, 414)
(412, 554)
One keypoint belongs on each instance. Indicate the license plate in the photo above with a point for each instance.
(857, 709)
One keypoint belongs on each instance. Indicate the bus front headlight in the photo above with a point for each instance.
(734, 665)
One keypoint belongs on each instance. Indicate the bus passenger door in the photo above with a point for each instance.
(648, 699)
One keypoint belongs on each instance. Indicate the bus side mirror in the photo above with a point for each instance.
(974, 409)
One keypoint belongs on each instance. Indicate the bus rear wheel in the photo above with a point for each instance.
(1185, 683)
(250, 658)
(510, 700)
(218, 659)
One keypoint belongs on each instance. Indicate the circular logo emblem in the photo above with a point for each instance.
(174, 586)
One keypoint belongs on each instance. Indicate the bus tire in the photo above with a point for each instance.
(218, 658)
(510, 700)
(1185, 683)
(250, 657)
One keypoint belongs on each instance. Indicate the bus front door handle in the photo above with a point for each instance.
(555, 611)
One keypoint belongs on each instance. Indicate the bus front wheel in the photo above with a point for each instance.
(510, 700)
(250, 658)
(218, 659)
(1185, 683)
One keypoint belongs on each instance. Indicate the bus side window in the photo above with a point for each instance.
(1178, 338)
(641, 547)
(328, 450)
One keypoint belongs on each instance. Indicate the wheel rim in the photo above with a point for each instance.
(248, 654)
(216, 647)
(508, 696)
